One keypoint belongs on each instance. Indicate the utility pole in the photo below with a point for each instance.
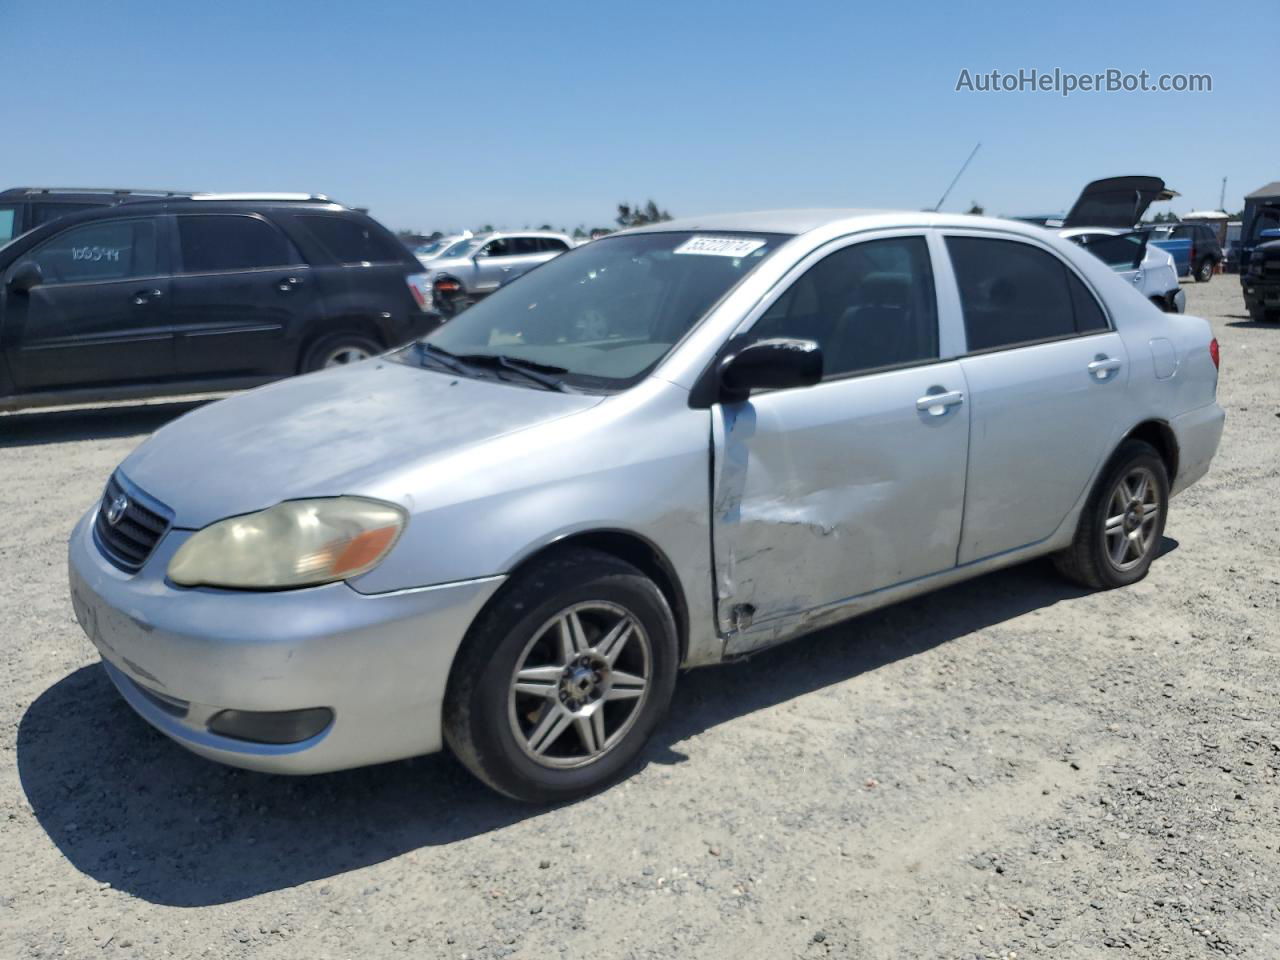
(1222, 197)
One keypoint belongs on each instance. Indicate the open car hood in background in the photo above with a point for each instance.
(1116, 202)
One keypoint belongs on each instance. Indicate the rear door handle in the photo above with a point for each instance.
(143, 297)
(1103, 367)
(936, 404)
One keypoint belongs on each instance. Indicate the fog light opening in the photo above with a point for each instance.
(274, 726)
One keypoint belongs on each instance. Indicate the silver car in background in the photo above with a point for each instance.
(473, 268)
(670, 447)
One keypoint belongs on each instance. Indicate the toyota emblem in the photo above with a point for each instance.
(116, 509)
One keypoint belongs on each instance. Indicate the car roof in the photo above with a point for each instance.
(519, 233)
(796, 222)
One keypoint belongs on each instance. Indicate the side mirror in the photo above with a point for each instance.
(769, 365)
(26, 276)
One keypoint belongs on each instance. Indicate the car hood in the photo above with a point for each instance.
(327, 434)
(1116, 202)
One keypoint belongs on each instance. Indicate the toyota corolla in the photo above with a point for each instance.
(665, 449)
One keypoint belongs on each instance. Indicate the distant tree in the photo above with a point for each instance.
(546, 226)
(636, 216)
(578, 232)
(976, 209)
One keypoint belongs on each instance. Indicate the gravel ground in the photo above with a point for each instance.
(1008, 767)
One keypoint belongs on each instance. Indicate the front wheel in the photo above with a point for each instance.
(1119, 531)
(561, 681)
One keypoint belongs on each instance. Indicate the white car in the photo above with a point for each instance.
(1151, 270)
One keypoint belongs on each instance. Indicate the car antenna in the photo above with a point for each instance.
(956, 180)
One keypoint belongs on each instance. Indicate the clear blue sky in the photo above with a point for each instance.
(452, 115)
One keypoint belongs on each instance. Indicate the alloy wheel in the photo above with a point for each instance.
(1133, 512)
(344, 355)
(580, 684)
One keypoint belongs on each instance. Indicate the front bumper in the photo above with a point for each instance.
(380, 662)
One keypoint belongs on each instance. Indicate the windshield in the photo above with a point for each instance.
(427, 249)
(606, 313)
(460, 249)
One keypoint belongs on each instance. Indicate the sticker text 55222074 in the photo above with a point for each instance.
(720, 246)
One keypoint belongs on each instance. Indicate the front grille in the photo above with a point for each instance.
(139, 524)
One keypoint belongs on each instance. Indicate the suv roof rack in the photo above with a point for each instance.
(284, 197)
(108, 191)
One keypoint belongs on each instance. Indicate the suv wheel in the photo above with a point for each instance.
(1204, 272)
(338, 350)
(559, 684)
(1119, 532)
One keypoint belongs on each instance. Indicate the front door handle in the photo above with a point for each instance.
(936, 404)
(143, 297)
(288, 284)
(1102, 367)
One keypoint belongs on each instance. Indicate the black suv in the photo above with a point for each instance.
(211, 292)
(25, 208)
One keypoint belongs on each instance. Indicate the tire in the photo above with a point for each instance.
(1091, 560)
(537, 738)
(1204, 272)
(1162, 304)
(338, 349)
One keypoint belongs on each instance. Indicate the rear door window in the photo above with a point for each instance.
(351, 241)
(1013, 293)
(101, 251)
(525, 246)
(226, 244)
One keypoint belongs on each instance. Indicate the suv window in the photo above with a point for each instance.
(44, 212)
(8, 223)
(868, 305)
(522, 246)
(216, 243)
(497, 248)
(552, 245)
(1013, 293)
(351, 241)
(100, 251)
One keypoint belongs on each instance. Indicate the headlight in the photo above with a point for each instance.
(298, 543)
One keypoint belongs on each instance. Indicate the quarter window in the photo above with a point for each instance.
(101, 251)
(222, 244)
(869, 305)
(552, 245)
(8, 223)
(1013, 293)
(351, 241)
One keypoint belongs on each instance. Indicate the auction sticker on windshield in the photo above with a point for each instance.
(720, 246)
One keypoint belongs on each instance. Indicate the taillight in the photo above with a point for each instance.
(420, 289)
(1213, 353)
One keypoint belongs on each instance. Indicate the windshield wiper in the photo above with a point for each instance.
(529, 369)
(446, 359)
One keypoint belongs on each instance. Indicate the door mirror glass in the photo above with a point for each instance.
(26, 276)
(771, 364)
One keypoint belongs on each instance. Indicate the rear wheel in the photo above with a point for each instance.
(1204, 272)
(338, 350)
(1119, 532)
(560, 683)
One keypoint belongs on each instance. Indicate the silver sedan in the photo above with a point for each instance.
(665, 449)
